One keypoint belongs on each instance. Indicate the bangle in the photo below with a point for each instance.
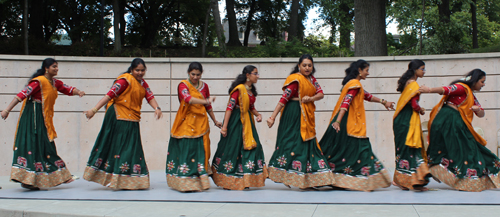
(6, 111)
(223, 130)
(337, 121)
(383, 101)
(158, 108)
(271, 118)
(94, 110)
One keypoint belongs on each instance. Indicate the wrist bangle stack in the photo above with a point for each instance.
(94, 110)
(383, 101)
(337, 121)
(6, 111)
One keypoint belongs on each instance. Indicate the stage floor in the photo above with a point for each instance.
(272, 193)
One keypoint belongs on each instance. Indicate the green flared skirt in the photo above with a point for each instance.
(35, 159)
(234, 167)
(456, 158)
(352, 161)
(186, 165)
(296, 162)
(117, 159)
(411, 169)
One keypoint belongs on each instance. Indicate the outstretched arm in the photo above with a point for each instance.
(13, 103)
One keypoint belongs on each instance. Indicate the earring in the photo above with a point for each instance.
(46, 71)
(248, 79)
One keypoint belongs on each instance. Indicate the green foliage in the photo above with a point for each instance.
(314, 45)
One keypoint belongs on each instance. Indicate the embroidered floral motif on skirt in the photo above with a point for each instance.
(295, 162)
(352, 161)
(411, 168)
(456, 158)
(186, 165)
(233, 167)
(117, 158)
(35, 160)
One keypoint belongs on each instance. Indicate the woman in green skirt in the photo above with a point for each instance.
(412, 171)
(297, 159)
(36, 163)
(189, 146)
(239, 160)
(345, 144)
(457, 153)
(117, 159)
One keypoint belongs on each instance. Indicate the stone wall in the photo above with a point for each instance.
(95, 75)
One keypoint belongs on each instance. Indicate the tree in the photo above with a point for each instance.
(218, 26)
(251, 13)
(474, 24)
(271, 19)
(116, 25)
(234, 39)
(147, 17)
(78, 18)
(338, 13)
(294, 20)
(369, 26)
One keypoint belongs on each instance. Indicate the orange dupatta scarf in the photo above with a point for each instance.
(415, 135)
(356, 119)
(465, 112)
(246, 120)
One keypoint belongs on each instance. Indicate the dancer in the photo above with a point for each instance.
(36, 163)
(189, 147)
(345, 144)
(297, 159)
(412, 171)
(457, 154)
(117, 159)
(239, 160)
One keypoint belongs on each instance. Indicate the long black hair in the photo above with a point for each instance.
(471, 78)
(136, 62)
(412, 67)
(302, 58)
(45, 64)
(195, 65)
(352, 72)
(242, 78)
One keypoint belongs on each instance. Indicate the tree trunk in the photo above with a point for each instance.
(123, 23)
(36, 19)
(218, 27)
(421, 24)
(249, 22)
(116, 26)
(25, 27)
(475, 43)
(444, 11)
(369, 27)
(234, 39)
(205, 30)
(294, 20)
(345, 26)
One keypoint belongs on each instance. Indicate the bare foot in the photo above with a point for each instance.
(31, 187)
(73, 178)
(420, 188)
(287, 185)
(401, 187)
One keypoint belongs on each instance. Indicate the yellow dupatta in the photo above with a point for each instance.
(465, 112)
(307, 121)
(415, 135)
(191, 120)
(356, 118)
(246, 120)
(49, 96)
(129, 103)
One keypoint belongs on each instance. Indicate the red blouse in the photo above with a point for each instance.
(122, 84)
(350, 94)
(233, 101)
(292, 90)
(183, 92)
(33, 89)
(457, 95)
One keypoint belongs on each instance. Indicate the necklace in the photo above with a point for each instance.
(197, 86)
(50, 80)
